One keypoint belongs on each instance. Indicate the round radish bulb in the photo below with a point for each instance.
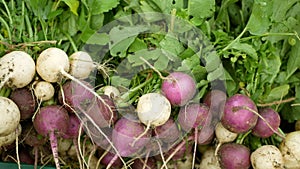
(125, 134)
(267, 156)
(223, 135)
(10, 116)
(81, 65)
(193, 116)
(233, 155)
(215, 100)
(110, 91)
(73, 128)
(261, 129)
(153, 109)
(111, 159)
(25, 101)
(17, 69)
(11, 137)
(289, 148)
(167, 132)
(209, 160)
(179, 88)
(50, 63)
(44, 90)
(206, 135)
(238, 114)
(75, 97)
(103, 115)
(52, 121)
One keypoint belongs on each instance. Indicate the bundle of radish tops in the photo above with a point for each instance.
(50, 102)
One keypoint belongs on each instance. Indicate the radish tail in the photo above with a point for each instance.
(53, 142)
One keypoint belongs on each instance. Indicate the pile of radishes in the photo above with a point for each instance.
(50, 98)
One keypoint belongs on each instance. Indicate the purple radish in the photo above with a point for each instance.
(148, 163)
(25, 101)
(52, 121)
(103, 115)
(215, 100)
(192, 116)
(111, 160)
(206, 135)
(73, 127)
(168, 132)
(125, 137)
(76, 97)
(240, 114)
(233, 155)
(179, 88)
(261, 129)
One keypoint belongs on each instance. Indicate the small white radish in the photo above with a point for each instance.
(10, 138)
(267, 156)
(17, 69)
(223, 135)
(153, 109)
(81, 65)
(209, 160)
(44, 90)
(290, 150)
(51, 63)
(10, 116)
(110, 91)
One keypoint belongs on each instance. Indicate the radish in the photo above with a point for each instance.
(81, 65)
(267, 156)
(233, 155)
(10, 116)
(168, 132)
(124, 137)
(290, 150)
(153, 109)
(52, 121)
(43, 90)
(25, 101)
(111, 160)
(110, 91)
(206, 135)
(261, 129)
(11, 137)
(179, 88)
(148, 163)
(17, 69)
(209, 160)
(223, 135)
(239, 114)
(51, 64)
(193, 116)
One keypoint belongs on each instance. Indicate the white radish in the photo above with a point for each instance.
(110, 91)
(44, 90)
(17, 69)
(223, 135)
(51, 64)
(267, 156)
(81, 65)
(10, 138)
(10, 116)
(209, 160)
(290, 150)
(153, 109)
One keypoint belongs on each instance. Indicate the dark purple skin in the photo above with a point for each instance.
(25, 156)
(73, 128)
(215, 100)
(124, 134)
(179, 88)
(168, 132)
(193, 115)
(185, 148)
(102, 115)
(236, 118)
(141, 163)
(25, 101)
(261, 129)
(233, 155)
(109, 157)
(77, 97)
(206, 135)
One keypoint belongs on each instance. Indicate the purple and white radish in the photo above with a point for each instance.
(10, 116)
(265, 128)
(179, 88)
(17, 69)
(240, 114)
(128, 137)
(233, 155)
(52, 121)
(25, 101)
